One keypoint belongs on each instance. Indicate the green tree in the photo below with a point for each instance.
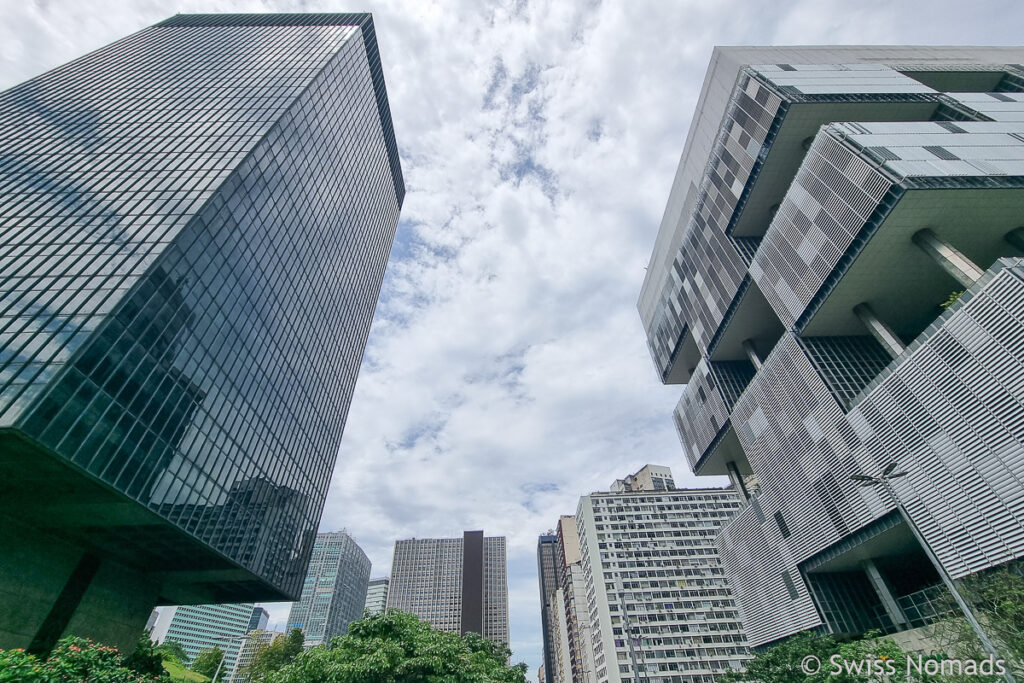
(145, 659)
(173, 650)
(400, 648)
(275, 656)
(207, 662)
(74, 659)
(997, 597)
(293, 643)
(813, 658)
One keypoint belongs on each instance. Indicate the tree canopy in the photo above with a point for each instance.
(274, 656)
(400, 648)
(207, 662)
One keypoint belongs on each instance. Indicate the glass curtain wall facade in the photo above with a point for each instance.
(334, 592)
(837, 282)
(194, 226)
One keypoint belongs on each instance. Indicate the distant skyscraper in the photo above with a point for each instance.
(837, 285)
(574, 642)
(456, 584)
(334, 592)
(547, 580)
(259, 619)
(660, 605)
(204, 627)
(377, 595)
(194, 227)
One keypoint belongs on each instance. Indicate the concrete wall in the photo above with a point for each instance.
(34, 568)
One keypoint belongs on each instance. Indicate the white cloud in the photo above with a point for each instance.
(507, 371)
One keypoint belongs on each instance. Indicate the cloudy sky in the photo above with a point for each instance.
(507, 372)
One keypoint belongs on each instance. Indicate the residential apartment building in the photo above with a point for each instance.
(194, 226)
(838, 285)
(456, 584)
(658, 603)
(377, 595)
(205, 627)
(334, 592)
(574, 645)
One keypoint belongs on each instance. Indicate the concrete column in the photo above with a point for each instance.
(881, 586)
(1016, 238)
(882, 333)
(737, 479)
(755, 358)
(952, 261)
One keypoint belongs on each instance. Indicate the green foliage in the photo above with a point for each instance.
(145, 659)
(293, 643)
(18, 665)
(860, 660)
(400, 648)
(172, 650)
(952, 298)
(179, 674)
(997, 597)
(275, 656)
(74, 659)
(207, 662)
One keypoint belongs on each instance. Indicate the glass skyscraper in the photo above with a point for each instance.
(334, 592)
(194, 226)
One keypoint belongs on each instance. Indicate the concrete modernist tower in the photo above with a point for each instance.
(334, 593)
(456, 584)
(194, 226)
(830, 206)
(657, 599)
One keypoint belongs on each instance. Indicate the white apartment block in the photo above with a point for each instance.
(659, 606)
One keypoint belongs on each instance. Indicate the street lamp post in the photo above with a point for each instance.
(224, 656)
(890, 473)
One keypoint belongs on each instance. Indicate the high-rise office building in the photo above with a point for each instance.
(259, 619)
(194, 227)
(456, 584)
(334, 592)
(377, 595)
(838, 283)
(660, 606)
(205, 627)
(547, 580)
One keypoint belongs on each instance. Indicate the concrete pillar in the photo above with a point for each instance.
(882, 333)
(952, 261)
(737, 479)
(1016, 238)
(881, 586)
(755, 358)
